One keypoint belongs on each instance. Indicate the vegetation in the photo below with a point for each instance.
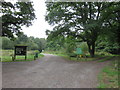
(83, 22)
(34, 44)
(14, 16)
(31, 42)
(7, 56)
(91, 26)
(98, 57)
(108, 78)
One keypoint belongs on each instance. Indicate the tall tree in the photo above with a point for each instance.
(14, 16)
(79, 19)
(111, 20)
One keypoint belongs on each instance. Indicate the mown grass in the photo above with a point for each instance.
(108, 78)
(7, 56)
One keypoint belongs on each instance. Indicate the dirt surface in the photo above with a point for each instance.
(51, 72)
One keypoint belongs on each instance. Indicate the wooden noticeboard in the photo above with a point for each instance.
(20, 50)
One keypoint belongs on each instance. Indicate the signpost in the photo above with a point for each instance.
(79, 52)
(20, 50)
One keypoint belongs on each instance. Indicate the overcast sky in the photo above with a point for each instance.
(40, 25)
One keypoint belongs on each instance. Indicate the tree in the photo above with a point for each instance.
(40, 42)
(14, 16)
(109, 39)
(54, 43)
(43, 43)
(103, 44)
(7, 43)
(111, 20)
(22, 39)
(79, 19)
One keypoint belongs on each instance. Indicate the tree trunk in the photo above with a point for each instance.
(91, 48)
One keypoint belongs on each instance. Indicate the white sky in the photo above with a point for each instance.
(39, 25)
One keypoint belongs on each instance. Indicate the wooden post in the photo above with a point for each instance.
(25, 57)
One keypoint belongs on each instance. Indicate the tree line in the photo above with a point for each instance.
(31, 42)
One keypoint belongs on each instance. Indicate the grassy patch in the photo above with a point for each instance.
(81, 59)
(7, 56)
(105, 59)
(108, 78)
(100, 57)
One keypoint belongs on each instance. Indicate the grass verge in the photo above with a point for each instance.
(6, 56)
(99, 58)
(108, 78)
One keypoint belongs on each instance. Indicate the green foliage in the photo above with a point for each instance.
(108, 71)
(104, 45)
(7, 56)
(32, 46)
(102, 53)
(36, 51)
(55, 43)
(7, 43)
(84, 21)
(105, 59)
(111, 19)
(70, 44)
(14, 16)
(84, 47)
(108, 78)
(31, 42)
(79, 19)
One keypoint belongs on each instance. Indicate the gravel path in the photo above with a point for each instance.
(51, 72)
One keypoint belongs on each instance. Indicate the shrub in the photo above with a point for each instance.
(84, 47)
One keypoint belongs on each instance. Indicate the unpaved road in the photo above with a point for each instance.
(51, 72)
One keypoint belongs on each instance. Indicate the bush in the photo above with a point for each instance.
(37, 51)
(84, 47)
(103, 53)
(72, 54)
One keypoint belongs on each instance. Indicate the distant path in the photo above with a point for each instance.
(51, 72)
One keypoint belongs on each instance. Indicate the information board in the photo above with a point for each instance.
(20, 50)
(79, 51)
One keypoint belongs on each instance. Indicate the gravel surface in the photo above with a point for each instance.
(51, 72)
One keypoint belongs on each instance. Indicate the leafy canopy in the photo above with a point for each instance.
(14, 16)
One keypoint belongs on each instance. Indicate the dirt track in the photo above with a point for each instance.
(51, 72)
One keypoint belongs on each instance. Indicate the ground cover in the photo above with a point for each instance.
(7, 56)
(108, 78)
(99, 56)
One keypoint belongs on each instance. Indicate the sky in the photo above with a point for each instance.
(39, 25)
